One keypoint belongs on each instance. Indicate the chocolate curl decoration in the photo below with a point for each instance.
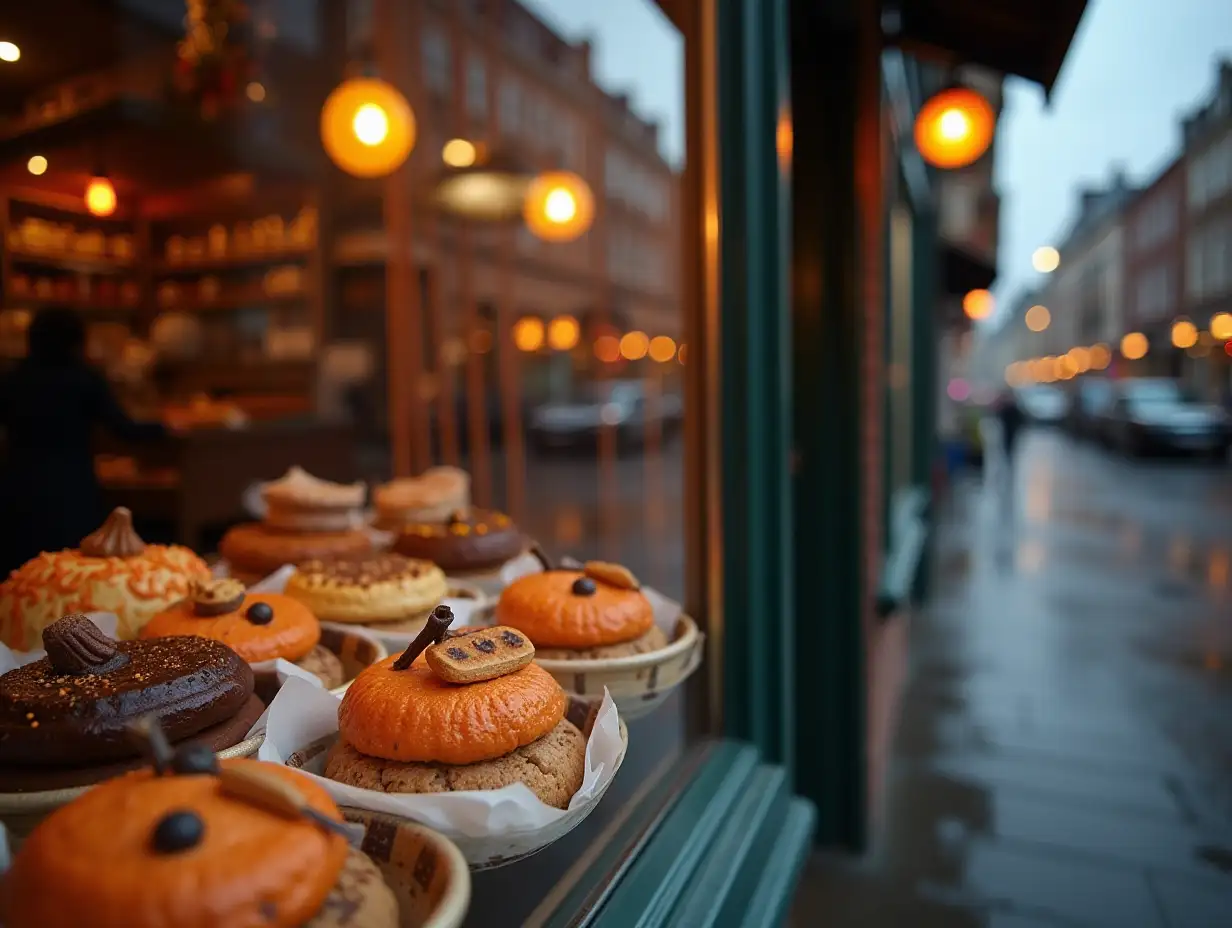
(541, 556)
(433, 633)
(75, 645)
(148, 734)
(116, 537)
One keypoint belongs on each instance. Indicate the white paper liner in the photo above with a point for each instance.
(511, 818)
(666, 611)
(107, 621)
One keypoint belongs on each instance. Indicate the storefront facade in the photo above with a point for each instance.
(815, 289)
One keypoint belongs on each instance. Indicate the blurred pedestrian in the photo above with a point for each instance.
(51, 403)
(1011, 419)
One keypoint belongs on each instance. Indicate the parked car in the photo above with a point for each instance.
(1086, 415)
(1155, 414)
(622, 405)
(1043, 404)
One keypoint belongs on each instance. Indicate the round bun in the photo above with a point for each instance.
(256, 550)
(430, 497)
(112, 571)
(468, 540)
(176, 851)
(412, 715)
(374, 588)
(549, 610)
(286, 628)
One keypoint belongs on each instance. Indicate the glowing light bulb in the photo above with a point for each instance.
(560, 206)
(954, 125)
(370, 124)
(100, 197)
(9, 52)
(37, 165)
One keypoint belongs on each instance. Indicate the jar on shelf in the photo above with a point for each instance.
(217, 241)
(122, 247)
(208, 289)
(175, 249)
(241, 239)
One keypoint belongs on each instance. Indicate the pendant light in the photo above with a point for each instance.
(954, 127)
(367, 127)
(559, 206)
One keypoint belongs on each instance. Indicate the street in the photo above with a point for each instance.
(1064, 755)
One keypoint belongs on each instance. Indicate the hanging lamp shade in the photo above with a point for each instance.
(492, 188)
(954, 128)
(559, 206)
(367, 127)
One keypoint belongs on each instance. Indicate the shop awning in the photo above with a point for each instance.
(1026, 38)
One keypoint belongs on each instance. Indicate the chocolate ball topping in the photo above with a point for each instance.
(584, 586)
(260, 614)
(178, 831)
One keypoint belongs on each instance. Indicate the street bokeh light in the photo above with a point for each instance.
(1184, 334)
(1101, 357)
(528, 333)
(954, 128)
(1221, 326)
(1038, 318)
(1134, 346)
(1046, 259)
(367, 127)
(978, 304)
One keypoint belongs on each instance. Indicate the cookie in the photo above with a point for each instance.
(653, 640)
(480, 655)
(551, 767)
(323, 664)
(360, 898)
(368, 589)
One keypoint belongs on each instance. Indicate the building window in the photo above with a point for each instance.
(510, 104)
(476, 87)
(438, 69)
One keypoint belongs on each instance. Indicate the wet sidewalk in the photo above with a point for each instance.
(1064, 753)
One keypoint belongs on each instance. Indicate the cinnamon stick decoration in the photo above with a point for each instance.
(149, 735)
(433, 633)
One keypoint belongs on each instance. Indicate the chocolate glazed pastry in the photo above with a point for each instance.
(71, 709)
(469, 540)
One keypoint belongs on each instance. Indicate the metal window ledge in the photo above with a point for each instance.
(723, 844)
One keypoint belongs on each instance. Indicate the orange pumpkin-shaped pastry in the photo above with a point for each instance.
(598, 606)
(470, 712)
(201, 845)
(257, 626)
(113, 570)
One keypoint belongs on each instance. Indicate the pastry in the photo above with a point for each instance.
(468, 541)
(596, 612)
(253, 550)
(430, 497)
(378, 588)
(203, 843)
(113, 570)
(300, 502)
(404, 729)
(257, 626)
(64, 717)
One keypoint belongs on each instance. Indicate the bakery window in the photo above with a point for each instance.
(403, 465)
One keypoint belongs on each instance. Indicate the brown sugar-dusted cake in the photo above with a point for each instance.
(468, 541)
(197, 843)
(112, 570)
(597, 612)
(300, 502)
(462, 712)
(372, 589)
(64, 717)
(257, 626)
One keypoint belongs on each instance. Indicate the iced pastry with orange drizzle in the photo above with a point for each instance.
(112, 570)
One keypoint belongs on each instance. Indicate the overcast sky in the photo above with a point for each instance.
(1135, 65)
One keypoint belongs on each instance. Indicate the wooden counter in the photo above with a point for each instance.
(197, 480)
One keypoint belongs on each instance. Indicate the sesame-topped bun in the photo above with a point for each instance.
(376, 588)
(112, 570)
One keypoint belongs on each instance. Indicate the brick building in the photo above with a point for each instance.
(1155, 262)
(1207, 137)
